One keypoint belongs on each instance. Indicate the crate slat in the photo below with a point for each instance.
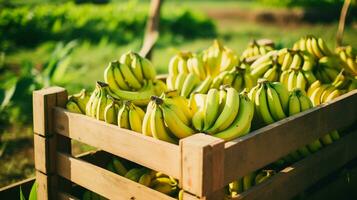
(141, 149)
(268, 144)
(298, 177)
(102, 181)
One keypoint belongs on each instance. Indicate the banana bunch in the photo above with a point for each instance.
(295, 59)
(266, 66)
(299, 102)
(133, 79)
(168, 118)
(184, 63)
(98, 101)
(248, 181)
(314, 45)
(271, 102)
(349, 58)
(111, 110)
(77, 103)
(223, 113)
(256, 49)
(218, 58)
(130, 116)
(321, 93)
(328, 68)
(239, 78)
(185, 84)
(297, 78)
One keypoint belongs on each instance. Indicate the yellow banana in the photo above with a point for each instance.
(189, 84)
(242, 122)
(275, 106)
(211, 108)
(203, 87)
(148, 69)
(292, 80)
(180, 81)
(135, 118)
(300, 81)
(229, 112)
(73, 107)
(158, 127)
(123, 117)
(129, 76)
(294, 104)
(283, 94)
(173, 122)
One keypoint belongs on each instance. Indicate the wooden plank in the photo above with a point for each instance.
(12, 191)
(301, 175)
(124, 143)
(47, 185)
(45, 151)
(83, 174)
(66, 196)
(268, 144)
(43, 102)
(202, 164)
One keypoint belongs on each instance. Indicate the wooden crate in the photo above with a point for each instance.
(202, 164)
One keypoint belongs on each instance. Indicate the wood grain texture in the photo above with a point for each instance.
(301, 175)
(43, 102)
(141, 149)
(202, 164)
(46, 188)
(45, 152)
(102, 181)
(268, 144)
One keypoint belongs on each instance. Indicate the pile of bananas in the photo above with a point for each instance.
(213, 92)
(150, 178)
(247, 182)
(296, 66)
(349, 57)
(315, 46)
(256, 49)
(239, 78)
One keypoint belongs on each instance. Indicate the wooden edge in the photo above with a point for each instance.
(301, 175)
(138, 148)
(43, 102)
(66, 196)
(270, 143)
(77, 171)
(13, 191)
(202, 164)
(45, 149)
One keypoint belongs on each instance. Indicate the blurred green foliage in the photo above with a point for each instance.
(20, 81)
(119, 23)
(303, 3)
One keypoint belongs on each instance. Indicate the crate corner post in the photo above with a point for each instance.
(202, 167)
(46, 142)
